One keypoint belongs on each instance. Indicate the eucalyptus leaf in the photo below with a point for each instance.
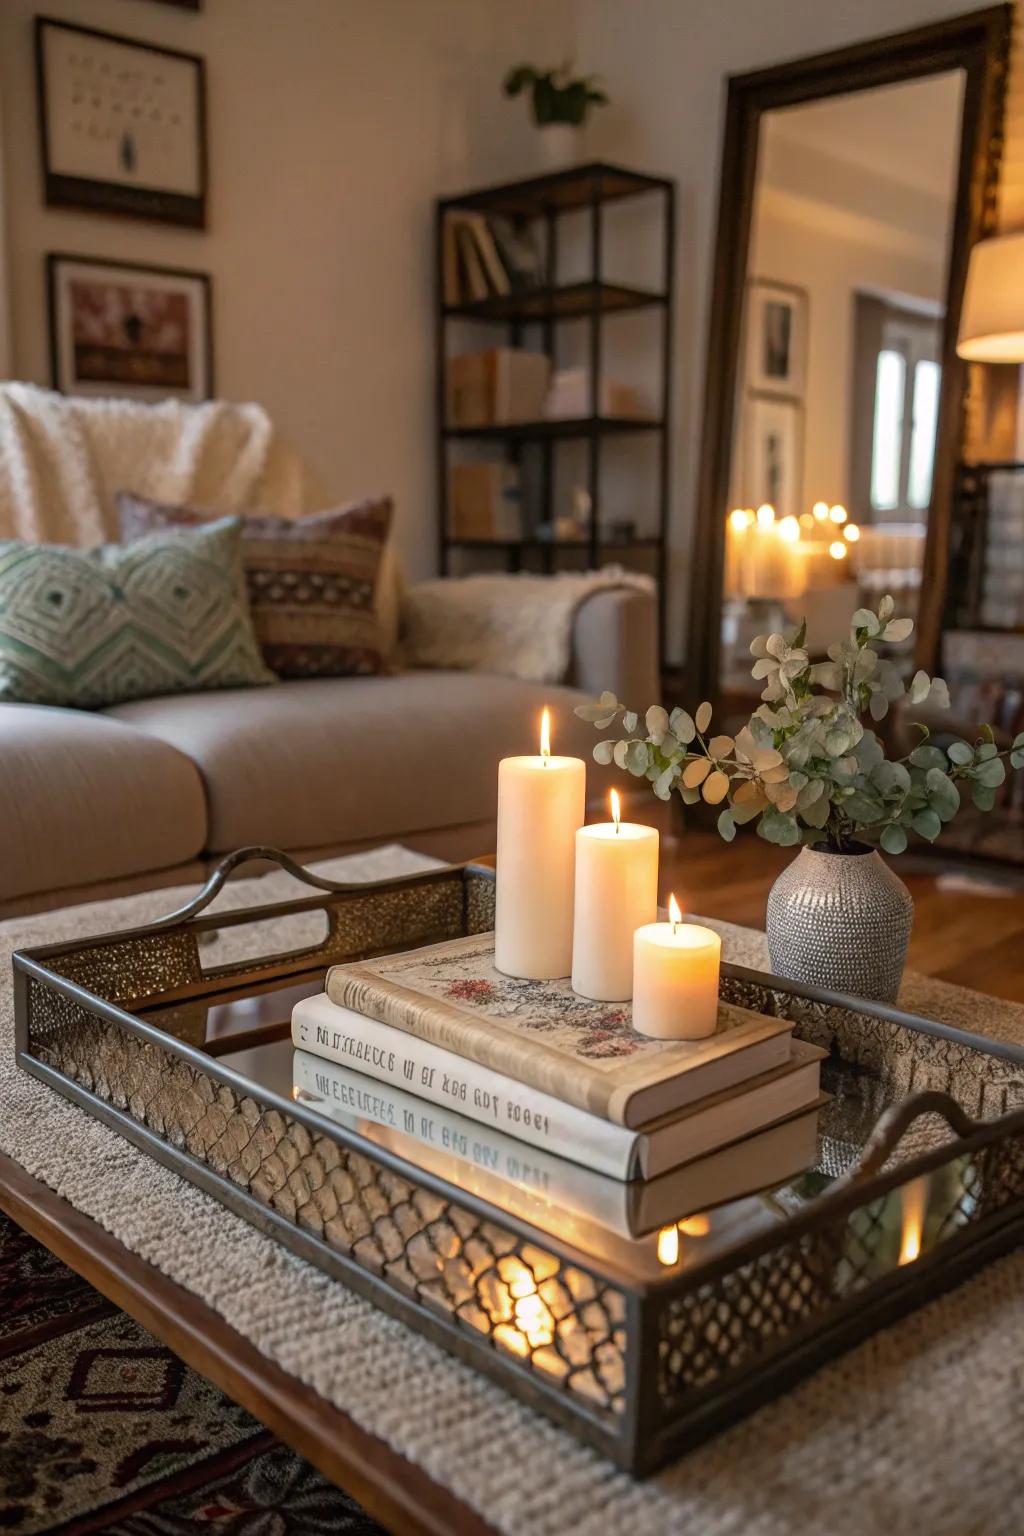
(726, 825)
(878, 706)
(928, 757)
(927, 824)
(630, 721)
(1017, 758)
(779, 827)
(620, 753)
(898, 629)
(715, 787)
(638, 758)
(603, 752)
(885, 608)
(656, 721)
(682, 726)
(663, 783)
(986, 750)
(991, 774)
(816, 815)
(959, 752)
(688, 796)
(696, 771)
(983, 797)
(865, 619)
(720, 746)
(894, 839)
(702, 718)
(943, 795)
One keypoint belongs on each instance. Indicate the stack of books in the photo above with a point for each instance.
(487, 258)
(498, 387)
(446, 1060)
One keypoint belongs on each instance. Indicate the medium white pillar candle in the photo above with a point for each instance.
(541, 805)
(675, 979)
(616, 893)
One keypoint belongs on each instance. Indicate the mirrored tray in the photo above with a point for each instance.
(642, 1316)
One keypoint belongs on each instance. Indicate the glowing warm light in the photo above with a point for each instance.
(545, 734)
(695, 1226)
(851, 533)
(741, 518)
(675, 916)
(914, 1201)
(820, 511)
(789, 530)
(765, 515)
(616, 805)
(668, 1245)
(837, 550)
(807, 519)
(837, 513)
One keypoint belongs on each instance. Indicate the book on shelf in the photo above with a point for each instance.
(484, 501)
(498, 387)
(545, 1036)
(568, 397)
(517, 1177)
(528, 1114)
(486, 257)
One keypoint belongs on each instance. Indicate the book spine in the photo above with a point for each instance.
(421, 1131)
(415, 1065)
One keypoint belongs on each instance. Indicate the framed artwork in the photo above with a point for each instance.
(773, 453)
(122, 124)
(776, 338)
(119, 328)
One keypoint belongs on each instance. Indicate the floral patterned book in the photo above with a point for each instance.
(543, 1035)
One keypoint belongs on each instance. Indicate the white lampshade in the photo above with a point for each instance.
(992, 317)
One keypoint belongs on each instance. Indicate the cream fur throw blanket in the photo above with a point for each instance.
(515, 626)
(63, 460)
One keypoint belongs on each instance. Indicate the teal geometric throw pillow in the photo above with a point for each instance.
(93, 627)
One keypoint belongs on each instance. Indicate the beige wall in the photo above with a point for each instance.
(332, 126)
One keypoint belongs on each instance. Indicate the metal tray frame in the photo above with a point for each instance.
(640, 1369)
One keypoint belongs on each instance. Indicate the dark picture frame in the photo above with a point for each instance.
(66, 144)
(777, 330)
(133, 367)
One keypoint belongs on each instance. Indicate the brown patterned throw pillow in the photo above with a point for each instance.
(312, 582)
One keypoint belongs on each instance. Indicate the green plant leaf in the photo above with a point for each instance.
(991, 774)
(986, 750)
(943, 795)
(630, 721)
(926, 824)
(928, 757)
(865, 619)
(656, 721)
(817, 815)
(983, 797)
(682, 726)
(960, 753)
(779, 827)
(663, 783)
(686, 794)
(638, 758)
(898, 629)
(1017, 758)
(727, 825)
(620, 752)
(603, 752)
(894, 839)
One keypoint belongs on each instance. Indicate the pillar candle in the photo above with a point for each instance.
(541, 805)
(616, 893)
(675, 979)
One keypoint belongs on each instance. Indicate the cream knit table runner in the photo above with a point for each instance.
(919, 1430)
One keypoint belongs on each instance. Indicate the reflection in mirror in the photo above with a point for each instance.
(839, 369)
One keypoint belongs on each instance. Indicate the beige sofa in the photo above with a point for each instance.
(153, 792)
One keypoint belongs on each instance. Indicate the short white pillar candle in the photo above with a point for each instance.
(675, 979)
(541, 805)
(616, 893)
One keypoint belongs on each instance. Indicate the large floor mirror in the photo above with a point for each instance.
(853, 186)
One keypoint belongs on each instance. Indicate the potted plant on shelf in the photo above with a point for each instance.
(561, 103)
(812, 774)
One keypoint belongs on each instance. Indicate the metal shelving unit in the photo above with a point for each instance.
(542, 200)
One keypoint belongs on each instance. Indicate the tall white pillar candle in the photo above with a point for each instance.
(541, 805)
(616, 893)
(675, 979)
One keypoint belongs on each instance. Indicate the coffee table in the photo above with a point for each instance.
(871, 1416)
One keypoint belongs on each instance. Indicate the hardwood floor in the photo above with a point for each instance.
(966, 930)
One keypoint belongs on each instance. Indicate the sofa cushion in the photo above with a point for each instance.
(314, 582)
(84, 798)
(94, 627)
(333, 760)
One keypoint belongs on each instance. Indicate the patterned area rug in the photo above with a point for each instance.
(103, 1429)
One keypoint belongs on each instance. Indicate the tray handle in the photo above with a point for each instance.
(896, 1121)
(227, 866)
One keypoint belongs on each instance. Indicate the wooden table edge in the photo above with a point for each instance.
(392, 1489)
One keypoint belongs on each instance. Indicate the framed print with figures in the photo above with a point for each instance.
(776, 338)
(122, 124)
(773, 455)
(119, 328)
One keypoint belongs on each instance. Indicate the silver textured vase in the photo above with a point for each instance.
(841, 920)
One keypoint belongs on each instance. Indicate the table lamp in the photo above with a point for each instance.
(992, 316)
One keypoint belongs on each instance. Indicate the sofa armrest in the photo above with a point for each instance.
(615, 645)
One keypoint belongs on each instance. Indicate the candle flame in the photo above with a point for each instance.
(545, 734)
(695, 1226)
(837, 513)
(765, 515)
(668, 1246)
(674, 914)
(851, 533)
(837, 550)
(616, 808)
(820, 511)
(914, 1201)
